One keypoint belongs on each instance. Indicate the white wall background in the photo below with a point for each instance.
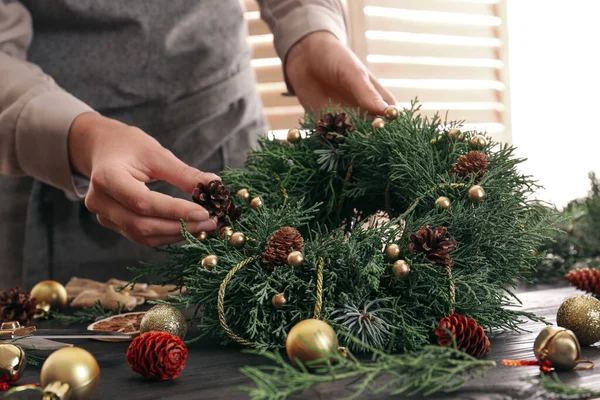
(554, 66)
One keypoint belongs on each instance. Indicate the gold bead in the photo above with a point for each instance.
(559, 346)
(476, 193)
(202, 236)
(378, 123)
(74, 367)
(401, 269)
(295, 258)
(12, 362)
(238, 239)
(294, 136)
(210, 261)
(478, 142)
(581, 314)
(164, 318)
(243, 193)
(225, 232)
(533, 252)
(256, 202)
(310, 340)
(454, 134)
(392, 251)
(279, 300)
(50, 292)
(391, 112)
(442, 202)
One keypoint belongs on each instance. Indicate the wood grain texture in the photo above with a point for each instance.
(212, 371)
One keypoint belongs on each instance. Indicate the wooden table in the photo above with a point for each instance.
(212, 372)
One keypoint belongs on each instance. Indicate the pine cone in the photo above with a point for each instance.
(585, 279)
(472, 163)
(16, 306)
(469, 336)
(281, 244)
(214, 197)
(334, 128)
(435, 245)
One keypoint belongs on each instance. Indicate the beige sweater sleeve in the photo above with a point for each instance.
(35, 113)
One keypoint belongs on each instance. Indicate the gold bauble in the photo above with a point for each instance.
(476, 193)
(237, 239)
(295, 258)
(12, 362)
(74, 367)
(225, 232)
(378, 123)
(581, 314)
(202, 236)
(310, 340)
(533, 253)
(164, 318)
(559, 346)
(243, 193)
(442, 202)
(256, 202)
(401, 269)
(294, 136)
(391, 112)
(478, 142)
(50, 292)
(455, 134)
(210, 261)
(392, 251)
(279, 300)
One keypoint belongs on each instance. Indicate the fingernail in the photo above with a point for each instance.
(201, 215)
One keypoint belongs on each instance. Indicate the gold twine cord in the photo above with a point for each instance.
(452, 289)
(319, 302)
(589, 366)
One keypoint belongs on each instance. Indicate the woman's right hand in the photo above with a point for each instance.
(120, 160)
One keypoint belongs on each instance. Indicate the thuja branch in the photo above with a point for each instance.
(85, 315)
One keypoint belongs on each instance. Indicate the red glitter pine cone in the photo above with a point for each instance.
(157, 355)
(585, 279)
(469, 336)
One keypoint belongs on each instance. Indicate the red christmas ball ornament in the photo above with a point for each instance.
(157, 355)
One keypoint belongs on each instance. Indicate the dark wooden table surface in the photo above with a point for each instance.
(212, 372)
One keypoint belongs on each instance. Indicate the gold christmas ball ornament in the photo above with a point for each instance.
(279, 300)
(310, 340)
(256, 202)
(391, 112)
(209, 262)
(401, 269)
(295, 258)
(478, 142)
(581, 314)
(164, 318)
(378, 123)
(202, 236)
(225, 232)
(476, 193)
(70, 373)
(455, 134)
(50, 292)
(294, 136)
(392, 252)
(12, 362)
(442, 202)
(243, 193)
(559, 346)
(237, 239)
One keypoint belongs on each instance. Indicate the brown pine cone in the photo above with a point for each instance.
(469, 336)
(16, 306)
(334, 128)
(585, 279)
(281, 244)
(472, 163)
(214, 197)
(435, 245)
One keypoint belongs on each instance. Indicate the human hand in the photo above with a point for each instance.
(119, 160)
(320, 68)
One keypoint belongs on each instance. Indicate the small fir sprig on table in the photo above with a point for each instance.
(85, 315)
(551, 383)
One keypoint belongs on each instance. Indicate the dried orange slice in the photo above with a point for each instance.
(128, 323)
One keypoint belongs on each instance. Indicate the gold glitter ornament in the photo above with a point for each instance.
(210, 261)
(442, 202)
(237, 239)
(559, 346)
(401, 269)
(392, 251)
(391, 112)
(295, 258)
(478, 142)
(310, 340)
(243, 193)
(256, 202)
(378, 123)
(69, 373)
(51, 293)
(12, 362)
(164, 318)
(225, 232)
(279, 300)
(294, 136)
(581, 314)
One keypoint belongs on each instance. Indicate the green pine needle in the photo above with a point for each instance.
(95, 313)
(552, 384)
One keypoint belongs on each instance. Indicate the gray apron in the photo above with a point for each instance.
(177, 69)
